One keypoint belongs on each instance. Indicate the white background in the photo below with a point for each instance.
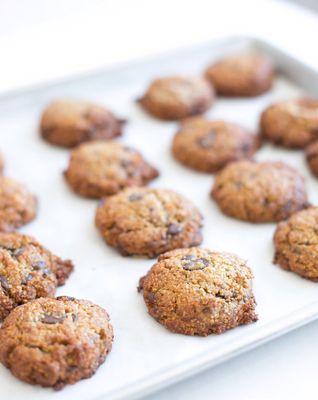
(42, 40)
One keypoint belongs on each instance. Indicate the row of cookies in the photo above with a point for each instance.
(43, 340)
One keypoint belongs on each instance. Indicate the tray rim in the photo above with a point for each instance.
(272, 330)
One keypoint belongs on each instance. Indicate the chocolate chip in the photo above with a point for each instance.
(18, 252)
(151, 297)
(197, 264)
(27, 279)
(4, 284)
(66, 298)
(135, 197)
(39, 265)
(174, 229)
(51, 319)
(189, 257)
(207, 140)
(74, 317)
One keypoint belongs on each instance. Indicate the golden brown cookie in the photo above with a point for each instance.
(198, 292)
(312, 157)
(177, 97)
(296, 244)
(259, 192)
(27, 271)
(292, 123)
(17, 205)
(241, 75)
(55, 342)
(209, 145)
(100, 168)
(148, 222)
(67, 123)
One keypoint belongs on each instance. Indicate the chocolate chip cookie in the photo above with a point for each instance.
(17, 205)
(55, 342)
(67, 123)
(177, 97)
(198, 292)
(312, 157)
(100, 168)
(148, 222)
(259, 192)
(292, 123)
(241, 75)
(209, 145)
(27, 271)
(296, 244)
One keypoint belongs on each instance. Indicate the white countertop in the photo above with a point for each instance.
(44, 40)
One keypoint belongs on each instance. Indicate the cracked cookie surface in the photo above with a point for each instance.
(100, 168)
(292, 123)
(241, 75)
(209, 145)
(27, 271)
(259, 192)
(67, 123)
(17, 205)
(296, 244)
(198, 292)
(148, 222)
(177, 97)
(55, 342)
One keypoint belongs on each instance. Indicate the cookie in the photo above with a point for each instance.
(241, 75)
(177, 97)
(100, 168)
(209, 145)
(296, 244)
(292, 123)
(148, 222)
(198, 292)
(27, 271)
(312, 157)
(17, 205)
(55, 342)
(259, 192)
(67, 123)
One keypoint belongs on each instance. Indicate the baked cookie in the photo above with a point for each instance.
(259, 192)
(177, 97)
(67, 123)
(148, 222)
(198, 292)
(100, 168)
(312, 157)
(296, 244)
(27, 271)
(209, 145)
(241, 75)
(292, 123)
(55, 342)
(17, 205)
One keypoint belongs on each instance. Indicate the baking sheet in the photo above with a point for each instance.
(146, 356)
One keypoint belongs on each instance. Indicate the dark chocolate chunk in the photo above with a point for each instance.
(174, 229)
(135, 197)
(207, 140)
(4, 284)
(51, 319)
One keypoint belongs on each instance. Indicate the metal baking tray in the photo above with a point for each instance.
(145, 356)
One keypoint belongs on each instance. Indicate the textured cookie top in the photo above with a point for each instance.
(17, 205)
(296, 243)
(53, 342)
(145, 221)
(177, 97)
(99, 168)
(198, 291)
(259, 192)
(69, 122)
(292, 123)
(241, 75)
(210, 145)
(27, 271)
